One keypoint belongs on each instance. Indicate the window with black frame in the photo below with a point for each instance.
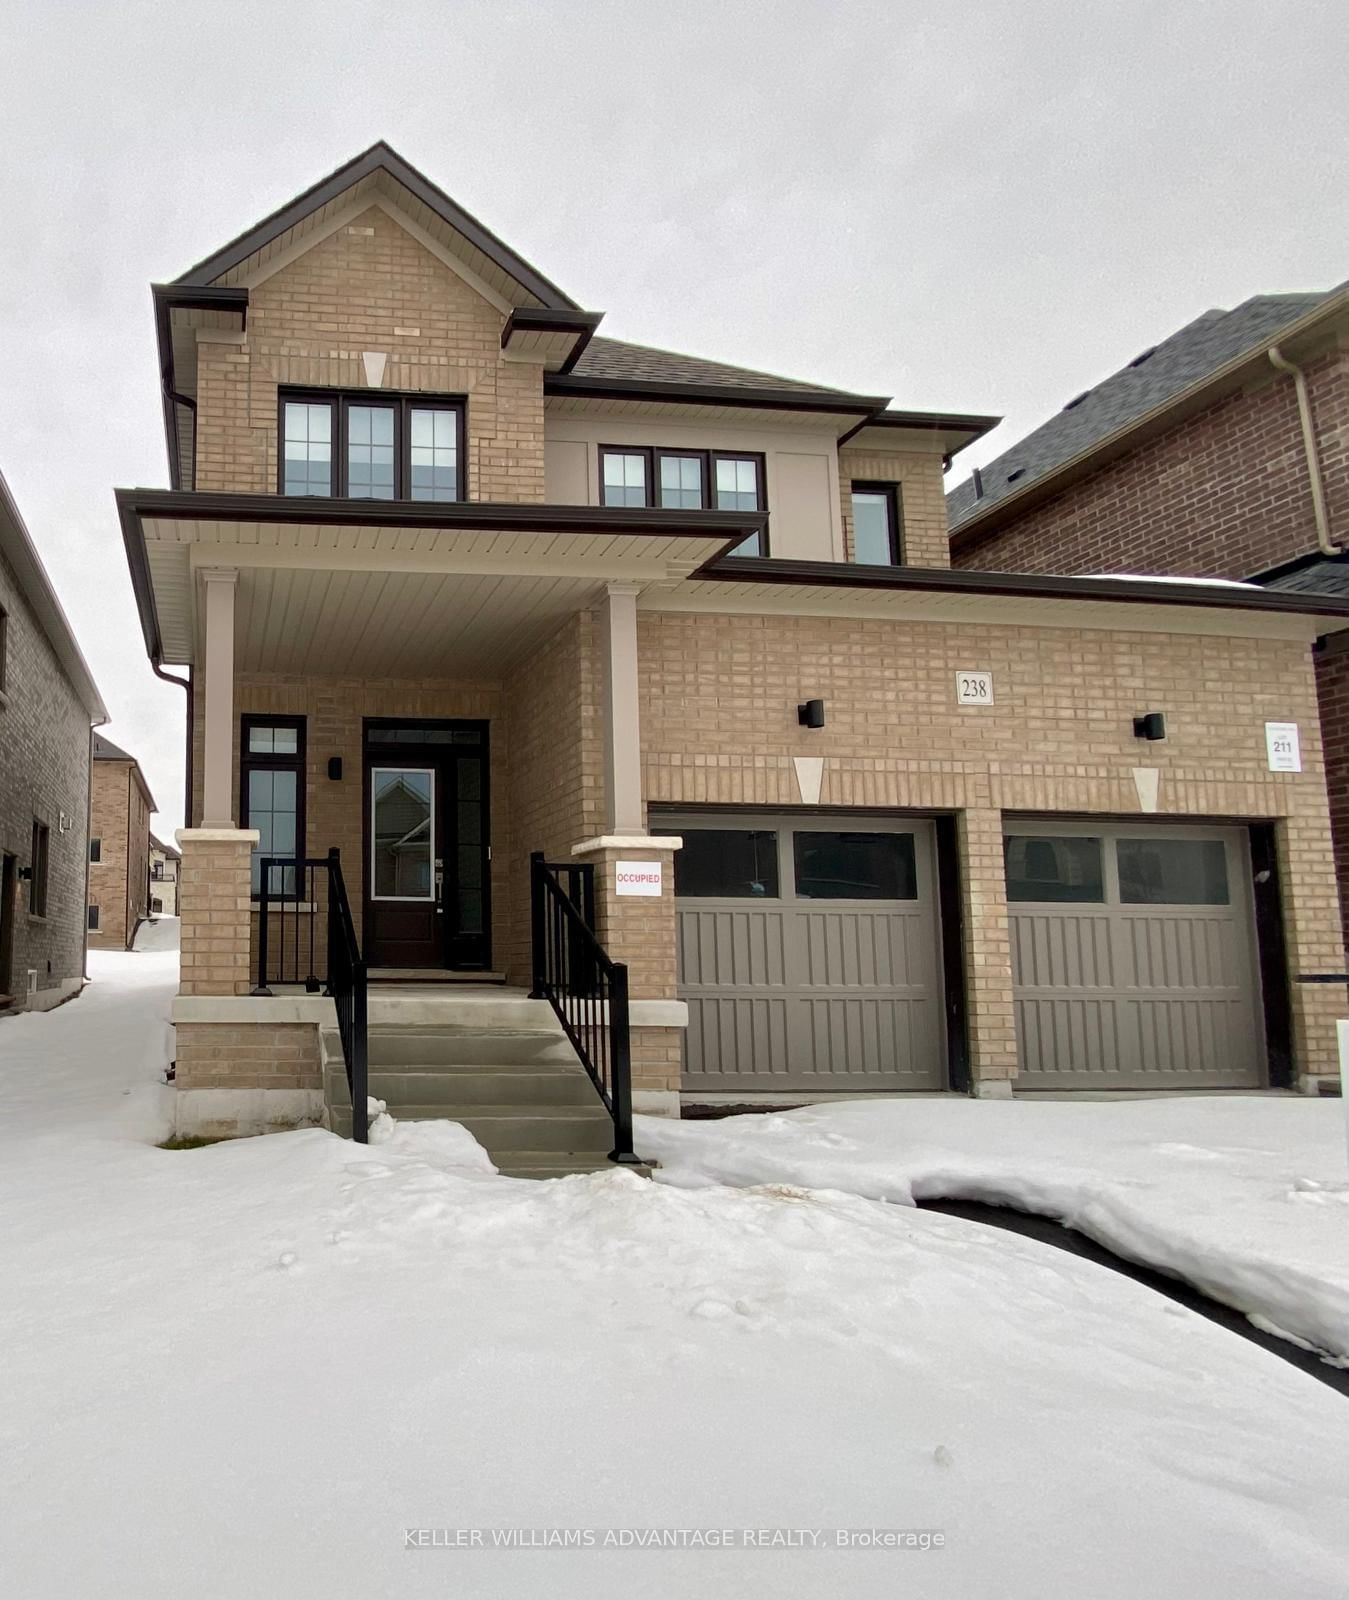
(685, 480)
(727, 864)
(877, 524)
(271, 770)
(371, 446)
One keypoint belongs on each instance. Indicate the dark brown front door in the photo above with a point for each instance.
(426, 844)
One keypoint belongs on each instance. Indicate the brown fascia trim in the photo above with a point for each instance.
(1014, 585)
(933, 421)
(134, 505)
(712, 394)
(1169, 413)
(380, 156)
(581, 324)
(167, 297)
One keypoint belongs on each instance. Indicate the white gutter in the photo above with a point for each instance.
(1317, 483)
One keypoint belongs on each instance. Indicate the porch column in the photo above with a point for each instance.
(217, 807)
(622, 731)
(988, 953)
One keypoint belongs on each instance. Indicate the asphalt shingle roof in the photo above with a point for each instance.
(614, 358)
(106, 750)
(1154, 376)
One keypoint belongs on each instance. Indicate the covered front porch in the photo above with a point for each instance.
(423, 697)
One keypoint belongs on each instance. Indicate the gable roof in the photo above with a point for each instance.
(381, 160)
(167, 850)
(1157, 378)
(18, 549)
(106, 750)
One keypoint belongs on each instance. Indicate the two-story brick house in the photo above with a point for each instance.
(48, 705)
(458, 581)
(164, 861)
(119, 847)
(1221, 452)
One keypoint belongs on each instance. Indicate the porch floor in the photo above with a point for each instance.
(425, 975)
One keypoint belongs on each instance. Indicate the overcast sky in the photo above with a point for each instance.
(982, 206)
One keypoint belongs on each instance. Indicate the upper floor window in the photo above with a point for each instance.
(372, 446)
(685, 480)
(95, 850)
(876, 523)
(38, 869)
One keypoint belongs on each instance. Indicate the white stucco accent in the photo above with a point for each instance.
(656, 1102)
(809, 778)
(629, 841)
(1147, 781)
(374, 362)
(251, 836)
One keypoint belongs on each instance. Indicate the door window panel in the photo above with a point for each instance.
(1044, 868)
(402, 842)
(727, 864)
(1172, 872)
(855, 866)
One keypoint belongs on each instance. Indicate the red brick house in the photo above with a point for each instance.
(1222, 452)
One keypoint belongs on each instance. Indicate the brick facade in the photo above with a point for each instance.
(369, 287)
(44, 776)
(719, 727)
(918, 475)
(1223, 494)
(119, 879)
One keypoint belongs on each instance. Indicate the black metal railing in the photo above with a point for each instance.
(293, 893)
(586, 988)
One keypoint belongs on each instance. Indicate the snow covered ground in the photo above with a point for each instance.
(249, 1369)
(1244, 1196)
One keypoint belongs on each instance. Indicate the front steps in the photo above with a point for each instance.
(494, 1061)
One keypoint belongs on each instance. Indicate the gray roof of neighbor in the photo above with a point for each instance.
(1313, 575)
(614, 358)
(1150, 379)
(106, 750)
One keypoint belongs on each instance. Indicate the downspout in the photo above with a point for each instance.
(1320, 515)
(156, 666)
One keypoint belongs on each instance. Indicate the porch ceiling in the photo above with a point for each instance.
(342, 585)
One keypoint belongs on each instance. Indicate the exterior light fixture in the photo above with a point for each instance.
(810, 714)
(1151, 725)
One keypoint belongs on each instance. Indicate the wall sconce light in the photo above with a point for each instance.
(335, 768)
(1152, 725)
(810, 714)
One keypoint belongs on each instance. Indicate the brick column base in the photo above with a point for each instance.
(213, 908)
(988, 954)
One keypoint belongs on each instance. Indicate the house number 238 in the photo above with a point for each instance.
(974, 688)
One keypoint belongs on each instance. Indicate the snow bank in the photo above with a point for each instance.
(250, 1369)
(1242, 1196)
(160, 933)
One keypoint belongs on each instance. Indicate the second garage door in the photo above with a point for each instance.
(808, 954)
(1133, 957)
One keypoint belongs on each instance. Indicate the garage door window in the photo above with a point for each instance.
(1172, 872)
(1052, 869)
(855, 866)
(727, 864)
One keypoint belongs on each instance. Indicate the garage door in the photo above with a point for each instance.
(808, 954)
(1133, 957)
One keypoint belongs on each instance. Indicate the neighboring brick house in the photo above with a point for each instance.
(48, 702)
(1194, 459)
(119, 847)
(164, 862)
(458, 581)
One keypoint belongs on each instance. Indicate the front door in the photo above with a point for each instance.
(426, 845)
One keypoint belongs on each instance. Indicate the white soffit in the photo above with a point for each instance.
(574, 564)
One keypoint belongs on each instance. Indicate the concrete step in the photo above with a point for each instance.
(483, 1009)
(576, 1130)
(475, 1086)
(539, 1164)
(422, 1047)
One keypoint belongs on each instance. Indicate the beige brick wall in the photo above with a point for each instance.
(118, 881)
(214, 953)
(556, 774)
(369, 287)
(924, 539)
(719, 697)
(222, 1055)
